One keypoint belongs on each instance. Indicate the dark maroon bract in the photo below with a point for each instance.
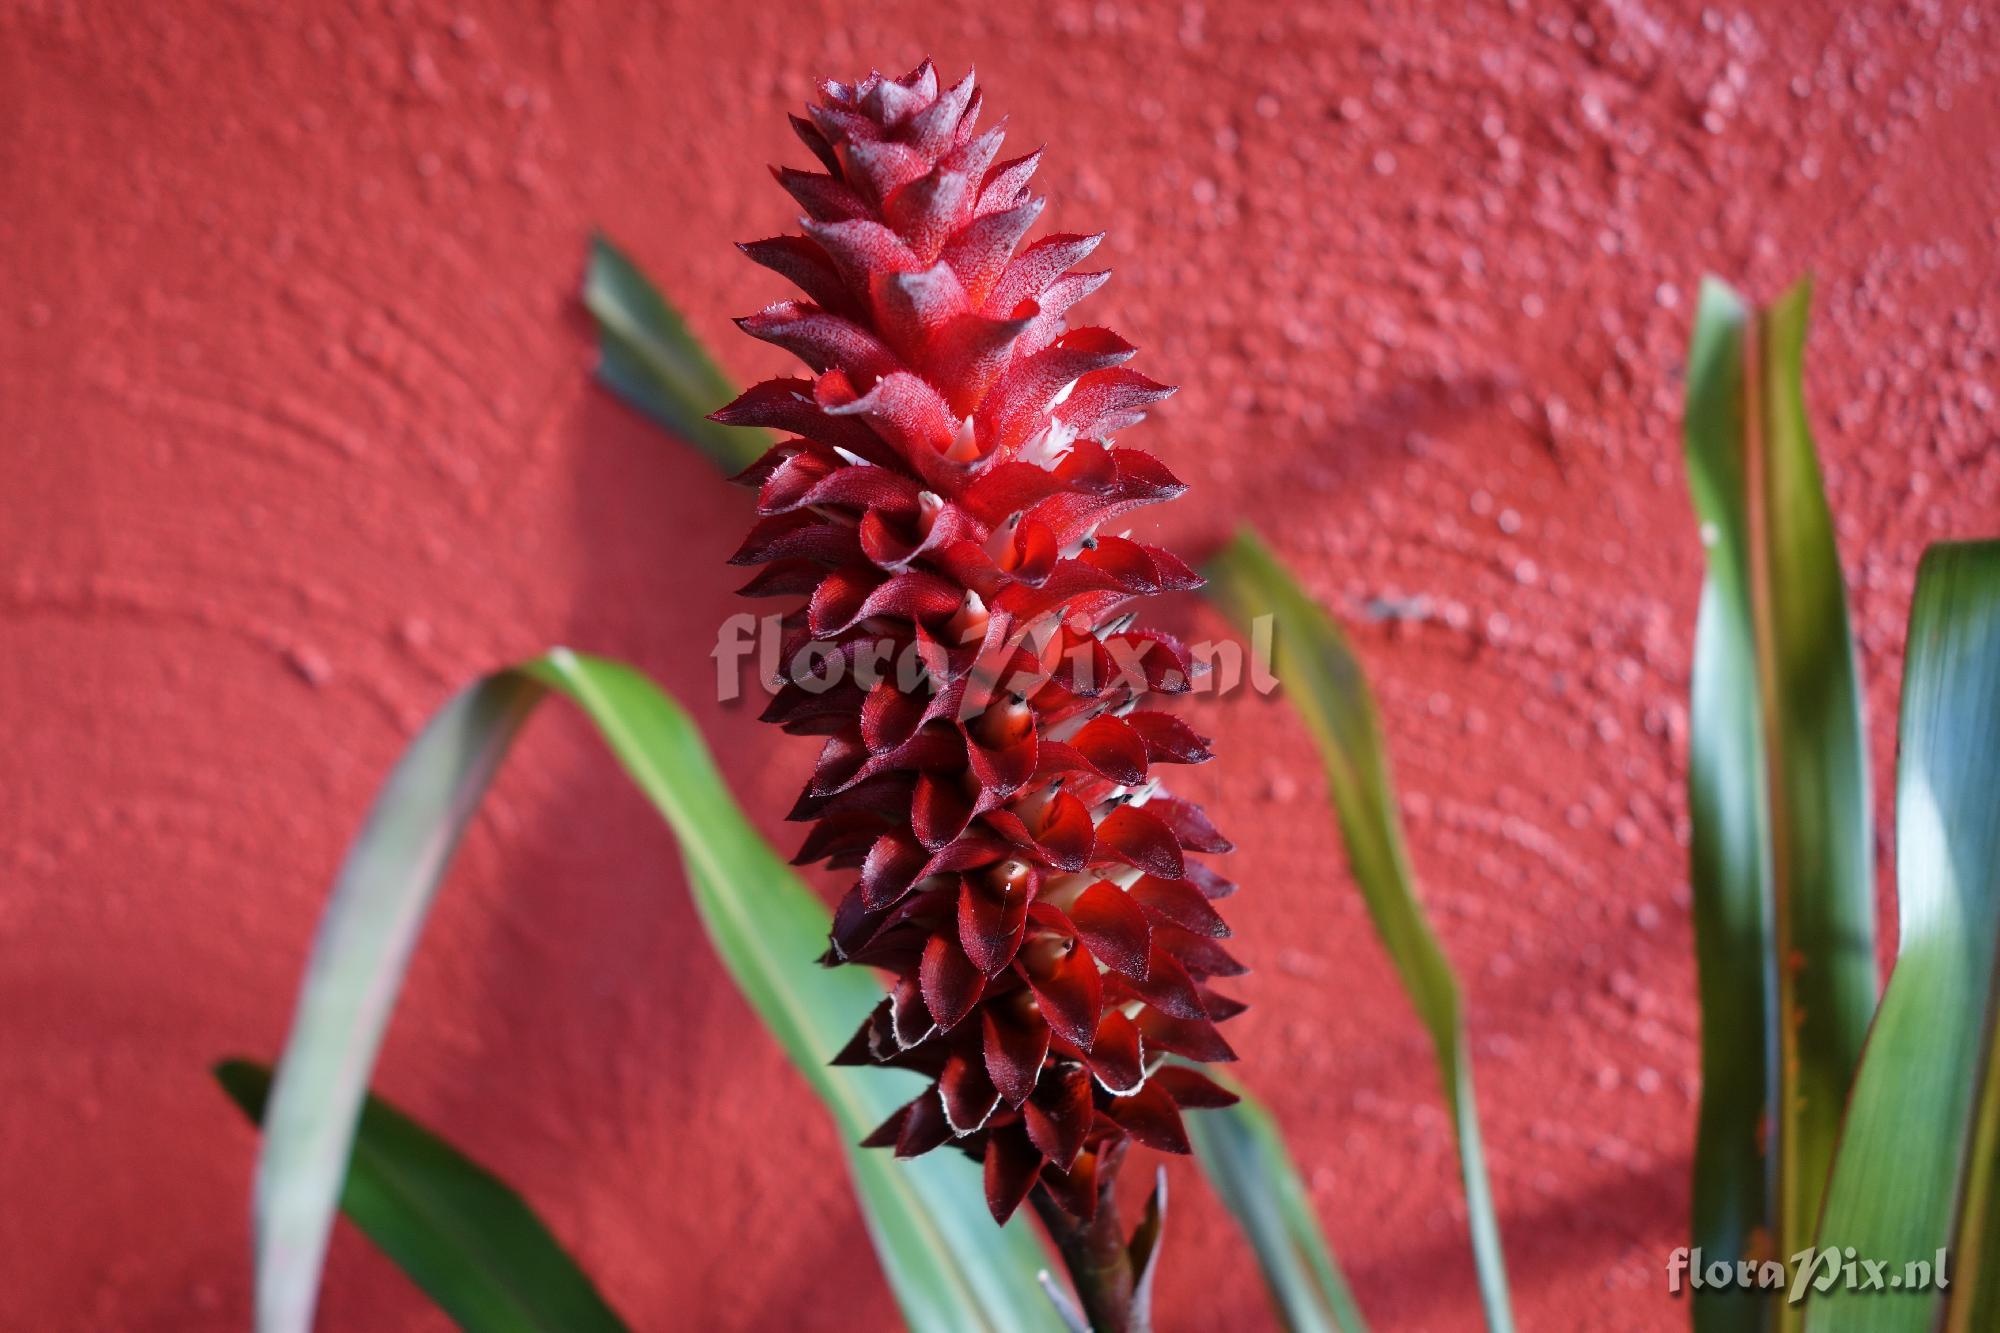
(940, 507)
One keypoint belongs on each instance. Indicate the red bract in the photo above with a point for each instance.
(984, 696)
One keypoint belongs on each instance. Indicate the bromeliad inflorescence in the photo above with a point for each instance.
(941, 501)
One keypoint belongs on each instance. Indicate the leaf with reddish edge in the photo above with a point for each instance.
(951, 984)
(969, 852)
(783, 578)
(1919, 1159)
(860, 249)
(1113, 926)
(1137, 665)
(1132, 835)
(1149, 1115)
(1782, 851)
(793, 472)
(972, 352)
(1032, 384)
(809, 134)
(1015, 1045)
(791, 405)
(870, 490)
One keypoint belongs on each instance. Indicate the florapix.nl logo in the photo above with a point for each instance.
(1814, 1269)
(988, 658)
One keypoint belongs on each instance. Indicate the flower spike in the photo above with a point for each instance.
(990, 731)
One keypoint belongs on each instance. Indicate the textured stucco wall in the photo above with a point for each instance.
(297, 435)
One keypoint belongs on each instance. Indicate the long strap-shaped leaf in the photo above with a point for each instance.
(1325, 683)
(647, 357)
(465, 1237)
(1916, 1169)
(1244, 1155)
(948, 1266)
(1782, 858)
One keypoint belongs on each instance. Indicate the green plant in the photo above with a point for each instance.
(946, 1275)
(1797, 1151)
(1783, 905)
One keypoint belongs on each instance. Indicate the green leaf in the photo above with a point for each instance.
(647, 357)
(1325, 683)
(460, 1233)
(1917, 1159)
(1244, 1155)
(950, 1268)
(1782, 866)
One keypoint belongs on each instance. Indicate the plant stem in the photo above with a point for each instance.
(1095, 1252)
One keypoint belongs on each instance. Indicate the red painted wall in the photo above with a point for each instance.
(298, 434)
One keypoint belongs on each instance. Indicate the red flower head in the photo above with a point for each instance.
(984, 696)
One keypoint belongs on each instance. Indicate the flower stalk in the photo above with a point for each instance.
(1097, 1253)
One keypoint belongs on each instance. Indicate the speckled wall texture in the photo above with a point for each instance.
(298, 434)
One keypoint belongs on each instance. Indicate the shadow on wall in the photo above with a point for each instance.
(641, 1077)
